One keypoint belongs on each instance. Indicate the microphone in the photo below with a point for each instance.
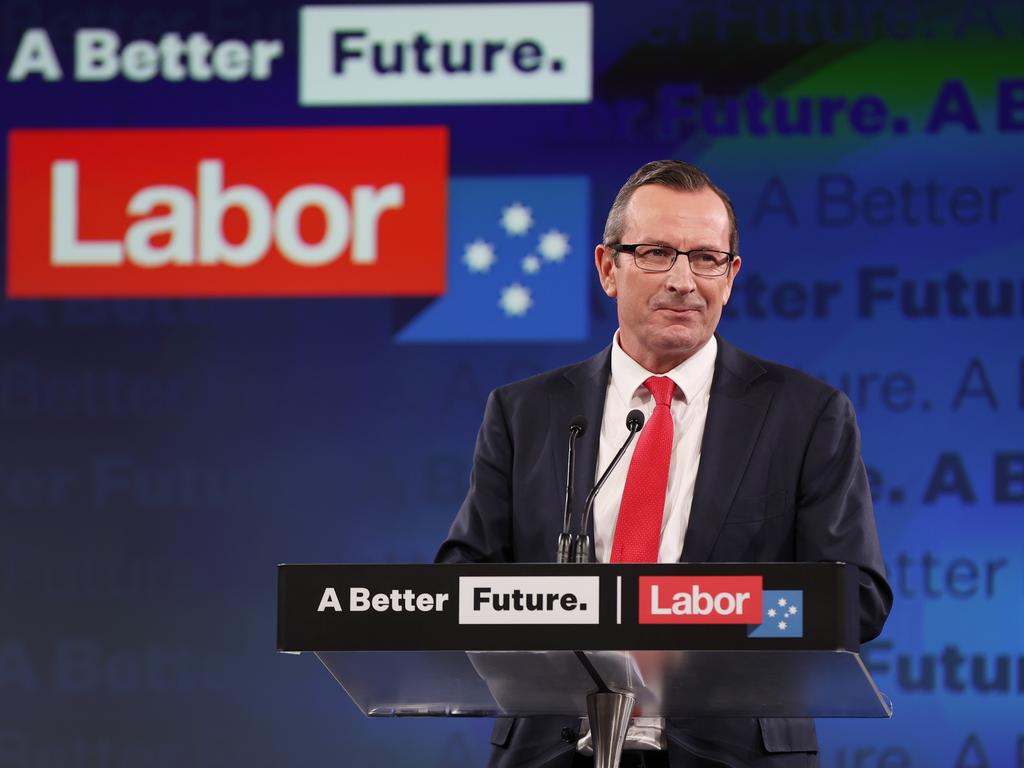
(577, 426)
(634, 423)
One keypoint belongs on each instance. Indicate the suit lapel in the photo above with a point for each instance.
(585, 386)
(736, 412)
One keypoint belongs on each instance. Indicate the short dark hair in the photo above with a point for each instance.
(675, 174)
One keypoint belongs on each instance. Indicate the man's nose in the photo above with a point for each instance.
(680, 277)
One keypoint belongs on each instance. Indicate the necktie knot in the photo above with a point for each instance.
(662, 387)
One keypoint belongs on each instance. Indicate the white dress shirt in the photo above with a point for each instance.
(626, 391)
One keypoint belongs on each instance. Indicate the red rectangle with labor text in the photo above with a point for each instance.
(700, 600)
(227, 212)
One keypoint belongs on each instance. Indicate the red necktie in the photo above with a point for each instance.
(638, 529)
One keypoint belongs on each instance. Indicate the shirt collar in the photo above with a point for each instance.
(691, 376)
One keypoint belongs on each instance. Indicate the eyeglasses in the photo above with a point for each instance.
(661, 258)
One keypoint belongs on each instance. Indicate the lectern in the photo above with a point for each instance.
(606, 641)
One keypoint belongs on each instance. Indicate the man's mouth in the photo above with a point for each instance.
(682, 310)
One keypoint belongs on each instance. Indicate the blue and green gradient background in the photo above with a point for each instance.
(140, 521)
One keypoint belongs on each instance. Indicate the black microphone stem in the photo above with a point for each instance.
(582, 554)
(565, 539)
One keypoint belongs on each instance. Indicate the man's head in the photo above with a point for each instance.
(664, 317)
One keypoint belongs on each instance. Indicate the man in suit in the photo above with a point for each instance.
(740, 459)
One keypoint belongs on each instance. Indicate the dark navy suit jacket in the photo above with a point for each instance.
(781, 479)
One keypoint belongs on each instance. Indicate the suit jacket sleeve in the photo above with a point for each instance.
(835, 520)
(482, 529)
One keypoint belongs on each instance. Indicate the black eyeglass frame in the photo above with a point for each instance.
(630, 248)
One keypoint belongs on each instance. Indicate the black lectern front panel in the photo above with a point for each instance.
(777, 639)
(727, 606)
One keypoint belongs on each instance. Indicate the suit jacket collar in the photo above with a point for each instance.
(736, 413)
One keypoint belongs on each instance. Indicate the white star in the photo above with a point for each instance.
(516, 219)
(782, 602)
(771, 613)
(553, 245)
(531, 265)
(782, 625)
(479, 256)
(792, 610)
(515, 300)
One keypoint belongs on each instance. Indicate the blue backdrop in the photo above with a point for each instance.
(160, 455)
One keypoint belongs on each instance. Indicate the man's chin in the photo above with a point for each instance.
(679, 341)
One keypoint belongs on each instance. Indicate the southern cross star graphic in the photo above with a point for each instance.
(514, 271)
(515, 300)
(516, 219)
(531, 264)
(781, 614)
(553, 246)
(479, 256)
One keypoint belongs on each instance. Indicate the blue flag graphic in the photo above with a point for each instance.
(518, 262)
(782, 614)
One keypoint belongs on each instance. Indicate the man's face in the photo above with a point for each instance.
(664, 317)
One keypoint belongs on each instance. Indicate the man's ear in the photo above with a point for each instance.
(730, 276)
(604, 260)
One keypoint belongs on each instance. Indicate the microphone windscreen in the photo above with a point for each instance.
(635, 420)
(578, 423)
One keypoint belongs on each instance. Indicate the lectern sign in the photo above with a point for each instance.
(546, 606)
(700, 599)
(529, 599)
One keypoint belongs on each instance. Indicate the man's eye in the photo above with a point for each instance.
(707, 257)
(654, 253)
